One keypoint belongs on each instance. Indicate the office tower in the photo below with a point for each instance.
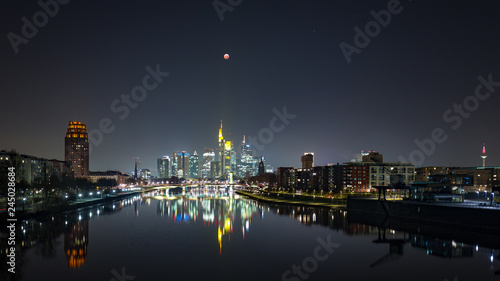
(261, 167)
(77, 149)
(221, 151)
(164, 167)
(181, 168)
(228, 158)
(173, 166)
(208, 157)
(194, 166)
(215, 169)
(145, 174)
(307, 160)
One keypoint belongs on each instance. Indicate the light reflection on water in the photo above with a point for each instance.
(207, 228)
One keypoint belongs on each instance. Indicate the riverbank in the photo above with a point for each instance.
(295, 199)
(485, 219)
(76, 205)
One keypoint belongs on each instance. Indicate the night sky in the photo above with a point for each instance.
(396, 88)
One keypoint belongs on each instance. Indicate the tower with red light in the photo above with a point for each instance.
(484, 155)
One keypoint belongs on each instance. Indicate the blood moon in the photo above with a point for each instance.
(226, 56)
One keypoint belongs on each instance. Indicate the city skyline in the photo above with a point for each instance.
(411, 78)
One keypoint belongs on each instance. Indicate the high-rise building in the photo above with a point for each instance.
(181, 164)
(247, 164)
(194, 166)
(307, 160)
(221, 151)
(145, 174)
(173, 166)
(228, 158)
(164, 167)
(77, 148)
(262, 169)
(208, 157)
(214, 169)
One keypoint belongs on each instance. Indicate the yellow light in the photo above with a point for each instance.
(221, 138)
(228, 145)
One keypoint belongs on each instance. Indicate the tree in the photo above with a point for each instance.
(106, 182)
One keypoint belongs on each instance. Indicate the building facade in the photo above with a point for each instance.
(194, 166)
(163, 167)
(76, 148)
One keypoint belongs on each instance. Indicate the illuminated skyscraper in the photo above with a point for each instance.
(228, 158)
(77, 149)
(164, 167)
(221, 151)
(247, 163)
(145, 174)
(194, 166)
(208, 157)
(181, 161)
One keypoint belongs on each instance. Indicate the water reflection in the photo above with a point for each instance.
(76, 240)
(226, 215)
(218, 208)
(41, 235)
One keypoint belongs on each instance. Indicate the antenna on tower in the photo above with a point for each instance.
(484, 155)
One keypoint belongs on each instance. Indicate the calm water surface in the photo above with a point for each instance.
(207, 234)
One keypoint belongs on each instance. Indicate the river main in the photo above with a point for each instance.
(212, 234)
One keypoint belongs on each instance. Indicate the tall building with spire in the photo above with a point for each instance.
(484, 155)
(262, 169)
(76, 148)
(247, 164)
(221, 151)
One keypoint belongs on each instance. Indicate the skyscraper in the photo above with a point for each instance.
(164, 167)
(262, 169)
(76, 150)
(208, 157)
(221, 151)
(181, 164)
(228, 158)
(247, 163)
(194, 166)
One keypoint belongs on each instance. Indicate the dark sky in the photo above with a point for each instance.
(283, 54)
